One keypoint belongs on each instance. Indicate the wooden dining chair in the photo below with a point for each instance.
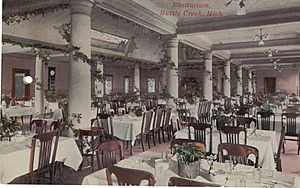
(182, 182)
(245, 121)
(179, 142)
(48, 143)
(233, 134)
(128, 177)
(184, 116)
(104, 121)
(40, 126)
(145, 129)
(200, 132)
(167, 126)
(157, 123)
(238, 153)
(266, 120)
(277, 156)
(57, 125)
(289, 121)
(91, 138)
(109, 153)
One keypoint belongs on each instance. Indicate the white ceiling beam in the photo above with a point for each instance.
(254, 44)
(255, 19)
(139, 14)
(256, 56)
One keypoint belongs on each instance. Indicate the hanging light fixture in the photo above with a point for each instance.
(261, 37)
(270, 52)
(242, 10)
(27, 80)
(275, 63)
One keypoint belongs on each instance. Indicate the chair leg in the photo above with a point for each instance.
(283, 149)
(148, 140)
(153, 134)
(158, 134)
(142, 143)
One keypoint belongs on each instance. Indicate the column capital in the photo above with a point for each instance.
(172, 43)
(227, 62)
(208, 56)
(81, 7)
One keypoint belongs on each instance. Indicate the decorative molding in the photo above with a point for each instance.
(253, 44)
(145, 17)
(255, 19)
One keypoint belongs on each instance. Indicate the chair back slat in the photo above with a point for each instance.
(146, 122)
(46, 154)
(238, 153)
(233, 134)
(127, 176)
(266, 120)
(109, 153)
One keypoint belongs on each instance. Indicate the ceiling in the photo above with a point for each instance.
(227, 34)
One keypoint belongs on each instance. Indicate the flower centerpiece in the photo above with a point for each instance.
(8, 127)
(188, 156)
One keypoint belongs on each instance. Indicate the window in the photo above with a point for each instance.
(126, 84)
(108, 84)
(151, 85)
(51, 78)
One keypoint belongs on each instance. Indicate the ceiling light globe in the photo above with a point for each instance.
(261, 42)
(27, 79)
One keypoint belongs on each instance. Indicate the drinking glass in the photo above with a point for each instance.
(158, 170)
(138, 162)
(228, 166)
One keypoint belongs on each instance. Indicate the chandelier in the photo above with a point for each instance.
(270, 52)
(242, 10)
(261, 37)
(276, 65)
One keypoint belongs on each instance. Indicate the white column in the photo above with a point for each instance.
(239, 82)
(137, 78)
(80, 73)
(172, 75)
(207, 79)
(99, 86)
(250, 86)
(38, 93)
(227, 86)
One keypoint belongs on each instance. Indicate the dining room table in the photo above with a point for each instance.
(15, 154)
(163, 166)
(263, 140)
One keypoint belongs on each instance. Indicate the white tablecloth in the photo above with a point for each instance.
(14, 111)
(264, 141)
(14, 156)
(240, 171)
(126, 127)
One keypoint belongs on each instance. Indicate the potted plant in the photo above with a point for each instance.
(188, 156)
(8, 127)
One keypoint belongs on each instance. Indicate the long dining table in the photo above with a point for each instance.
(263, 140)
(163, 169)
(14, 156)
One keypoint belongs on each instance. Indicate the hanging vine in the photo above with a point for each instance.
(22, 16)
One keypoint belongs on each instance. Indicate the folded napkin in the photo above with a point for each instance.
(243, 168)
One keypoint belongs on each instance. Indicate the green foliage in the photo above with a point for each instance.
(22, 16)
(188, 153)
(9, 126)
(268, 107)
(165, 94)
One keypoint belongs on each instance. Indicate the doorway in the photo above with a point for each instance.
(20, 90)
(270, 85)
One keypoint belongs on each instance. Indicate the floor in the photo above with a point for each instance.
(290, 160)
